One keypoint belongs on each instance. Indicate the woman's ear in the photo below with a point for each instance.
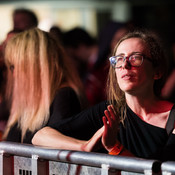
(157, 75)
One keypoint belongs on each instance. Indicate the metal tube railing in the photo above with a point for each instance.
(168, 167)
(123, 163)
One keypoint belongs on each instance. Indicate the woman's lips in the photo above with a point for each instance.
(127, 76)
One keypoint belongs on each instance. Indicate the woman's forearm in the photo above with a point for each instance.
(50, 137)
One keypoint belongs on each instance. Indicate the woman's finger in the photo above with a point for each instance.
(105, 122)
(108, 116)
(111, 111)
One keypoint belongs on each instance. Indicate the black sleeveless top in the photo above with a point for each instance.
(146, 140)
(65, 104)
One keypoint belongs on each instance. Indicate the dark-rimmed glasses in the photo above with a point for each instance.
(135, 60)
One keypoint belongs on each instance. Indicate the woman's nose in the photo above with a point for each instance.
(126, 64)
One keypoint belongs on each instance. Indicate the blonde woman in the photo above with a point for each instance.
(42, 85)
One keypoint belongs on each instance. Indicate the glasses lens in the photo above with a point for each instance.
(112, 61)
(116, 61)
(119, 61)
(136, 60)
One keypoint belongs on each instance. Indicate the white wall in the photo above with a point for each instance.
(64, 13)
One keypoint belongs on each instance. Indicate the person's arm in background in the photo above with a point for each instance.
(169, 86)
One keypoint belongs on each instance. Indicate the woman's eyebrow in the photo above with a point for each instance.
(137, 53)
(122, 54)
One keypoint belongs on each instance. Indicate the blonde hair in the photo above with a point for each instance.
(40, 69)
(114, 94)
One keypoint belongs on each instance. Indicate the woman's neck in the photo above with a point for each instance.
(136, 102)
(150, 109)
(147, 104)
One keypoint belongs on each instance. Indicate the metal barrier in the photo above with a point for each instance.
(168, 168)
(24, 159)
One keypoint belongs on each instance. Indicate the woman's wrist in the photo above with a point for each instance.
(84, 146)
(116, 149)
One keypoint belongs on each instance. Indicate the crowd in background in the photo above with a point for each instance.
(88, 54)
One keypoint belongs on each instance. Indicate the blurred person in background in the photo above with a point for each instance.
(24, 19)
(42, 85)
(168, 91)
(56, 32)
(10, 34)
(81, 48)
(97, 76)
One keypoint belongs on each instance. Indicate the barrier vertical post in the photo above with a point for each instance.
(148, 172)
(39, 167)
(34, 164)
(105, 170)
(1, 163)
(6, 164)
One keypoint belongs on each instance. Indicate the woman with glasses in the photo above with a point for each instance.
(135, 122)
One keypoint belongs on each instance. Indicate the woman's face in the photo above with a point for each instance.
(135, 80)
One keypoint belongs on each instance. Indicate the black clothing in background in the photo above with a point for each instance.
(65, 104)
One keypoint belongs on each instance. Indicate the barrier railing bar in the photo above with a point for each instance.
(123, 163)
(168, 166)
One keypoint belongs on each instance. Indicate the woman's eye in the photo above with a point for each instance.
(11, 68)
(119, 59)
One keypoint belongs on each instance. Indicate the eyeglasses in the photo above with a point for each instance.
(135, 60)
